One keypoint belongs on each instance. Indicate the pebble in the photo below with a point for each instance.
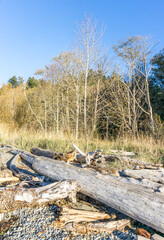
(37, 223)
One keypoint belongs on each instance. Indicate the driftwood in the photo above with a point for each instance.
(103, 226)
(41, 152)
(156, 237)
(8, 179)
(109, 226)
(138, 202)
(12, 198)
(135, 162)
(153, 175)
(123, 153)
(82, 157)
(141, 238)
(157, 187)
(15, 170)
(76, 215)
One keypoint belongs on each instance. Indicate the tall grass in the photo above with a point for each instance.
(146, 148)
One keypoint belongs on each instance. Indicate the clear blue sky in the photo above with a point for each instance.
(34, 31)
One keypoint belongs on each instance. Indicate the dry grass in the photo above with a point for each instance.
(146, 148)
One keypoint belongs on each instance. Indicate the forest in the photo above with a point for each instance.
(84, 92)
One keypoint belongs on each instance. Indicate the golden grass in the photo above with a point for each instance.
(146, 148)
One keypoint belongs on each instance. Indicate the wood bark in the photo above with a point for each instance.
(141, 203)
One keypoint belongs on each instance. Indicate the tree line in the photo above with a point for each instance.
(81, 93)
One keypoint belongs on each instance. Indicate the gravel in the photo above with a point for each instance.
(37, 223)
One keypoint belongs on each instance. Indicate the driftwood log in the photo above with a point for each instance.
(153, 175)
(81, 157)
(14, 197)
(125, 158)
(139, 202)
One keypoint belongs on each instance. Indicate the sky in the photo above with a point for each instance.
(32, 32)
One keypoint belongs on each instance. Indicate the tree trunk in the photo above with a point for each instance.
(77, 112)
(57, 113)
(96, 106)
(149, 107)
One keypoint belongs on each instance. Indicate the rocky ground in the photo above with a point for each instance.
(38, 223)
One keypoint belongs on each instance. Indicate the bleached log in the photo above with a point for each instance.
(141, 203)
(14, 197)
(153, 175)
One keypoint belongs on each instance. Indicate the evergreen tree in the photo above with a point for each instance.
(32, 82)
(14, 81)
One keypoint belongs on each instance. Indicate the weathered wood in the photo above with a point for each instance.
(8, 179)
(153, 175)
(100, 227)
(14, 197)
(157, 187)
(75, 215)
(16, 171)
(140, 203)
(137, 162)
(157, 237)
(141, 238)
(42, 152)
(81, 158)
(109, 226)
(87, 156)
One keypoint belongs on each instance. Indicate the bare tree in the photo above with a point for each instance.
(89, 36)
(136, 52)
